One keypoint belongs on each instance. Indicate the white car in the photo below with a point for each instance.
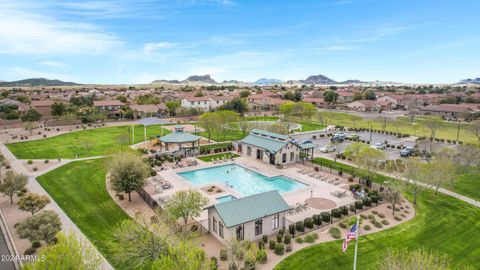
(328, 149)
(378, 146)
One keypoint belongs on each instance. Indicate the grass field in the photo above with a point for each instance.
(307, 126)
(209, 158)
(70, 145)
(442, 224)
(79, 189)
(468, 185)
(402, 124)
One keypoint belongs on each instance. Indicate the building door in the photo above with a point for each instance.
(272, 159)
(259, 154)
(240, 232)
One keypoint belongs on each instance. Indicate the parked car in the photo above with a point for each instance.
(352, 136)
(378, 146)
(407, 151)
(340, 135)
(328, 148)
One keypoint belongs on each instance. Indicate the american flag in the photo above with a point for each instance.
(352, 234)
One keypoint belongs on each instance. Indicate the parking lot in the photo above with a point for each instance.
(363, 135)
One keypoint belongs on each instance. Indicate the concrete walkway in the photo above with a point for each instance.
(33, 186)
(441, 190)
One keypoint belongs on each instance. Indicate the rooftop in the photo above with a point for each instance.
(250, 208)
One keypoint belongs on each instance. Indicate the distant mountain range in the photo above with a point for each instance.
(467, 81)
(195, 79)
(36, 82)
(265, 81)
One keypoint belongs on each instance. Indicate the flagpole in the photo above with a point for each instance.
(356, 244)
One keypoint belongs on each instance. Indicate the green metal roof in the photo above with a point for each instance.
(250, 208)
(306, 145)
(179, 137)
(270, 134)
(269, 144)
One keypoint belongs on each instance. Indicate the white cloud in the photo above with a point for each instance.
(151, 46)
(26, 32)
(49, 63)
(336, 48)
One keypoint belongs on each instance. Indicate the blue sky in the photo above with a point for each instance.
(138, 41)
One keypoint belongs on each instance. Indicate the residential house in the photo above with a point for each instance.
(200, 103)
(364, 105)
(148, 110)
(457, 111)
(44, 107)
(217, 101)
(345, 96)
(112, 108)
(248, 218)
(318, 102)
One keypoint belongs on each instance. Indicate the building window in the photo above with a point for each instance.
(276, 221)
(258, 227)
(214, 226)
(284, 157)
(240, 232)
(292, 156)
(220, 229)
(249, 151)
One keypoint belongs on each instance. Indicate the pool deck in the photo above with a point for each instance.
(315, 187)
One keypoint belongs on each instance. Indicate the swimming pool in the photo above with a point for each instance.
(225, 198)
(242, 180)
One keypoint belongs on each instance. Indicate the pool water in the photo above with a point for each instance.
(242, 180)
(225, 198)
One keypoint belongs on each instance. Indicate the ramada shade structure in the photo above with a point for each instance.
(179, 137)
(150, 121)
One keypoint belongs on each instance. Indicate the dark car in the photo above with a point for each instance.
(407, 151)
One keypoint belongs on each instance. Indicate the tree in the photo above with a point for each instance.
(31, 115)
(244, 93)
(58, 109)
(122, 98)
(383, 122)
(185, 256)
(244, 125)
(224, 119)
(237, 105)
(369, 95)
(440, 170)
(29, 126)
(32, 202)
(12, 183)
(469, 156)
(393, 195)
(67, 253)
(185, 204)
(172, 107)
(308, 110)
(286, 109)
(86, 143)
(433, 125)
(412, 260)
(128, 172)
(414, 175)
(209, 121)
(147, 99)
(353, 150)
(369, 161)
(330, 97)
(43, 226)
(136, 247)
(412, 108)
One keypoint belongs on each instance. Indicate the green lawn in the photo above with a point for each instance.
(262, 118)
(79, 189)
(69, 145)
(229, 135)
(401, 124)
(310, 126)
(468, 185)
(442, 224)
(209, 158)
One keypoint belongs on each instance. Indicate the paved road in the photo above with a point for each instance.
(5, 251)
(67, 224)
(441, 190)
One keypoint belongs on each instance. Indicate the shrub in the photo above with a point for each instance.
(334, 232)
(351, 208)
(232, 266)
(309, 238)
(308, 223)
(287, 239)
(299, 226)
(279, 237)
(239, 254)
(271, 244)
(406, 211)
(299, 240)
(367, 202)
(214, 262)
(30, 251)
(375, 198)
(281, 231)
(291, 229)
(223, 254)
(374, 212)
(342, 225)
(336, 213)
(279, 249)
(344, 211)
(372, 217)
(250, 263)
(288, 248)
(354, 186)
(367, 227)
(36, 244)
(315, 235)
(385, 222)
(397, 218)
(46, 161)
(377, 224)
(317, 220)
(30, 162)
(325, 216)
(261, 244)
(264, 238)
(380, 215)
(358, 205)
(261, 256)
(403, 215)
(35, 169)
